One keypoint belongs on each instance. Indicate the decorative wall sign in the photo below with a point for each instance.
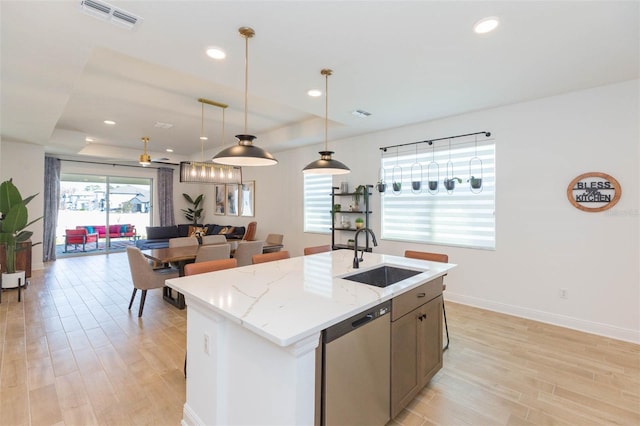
(594, 192)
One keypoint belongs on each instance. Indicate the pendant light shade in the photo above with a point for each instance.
(245, 153)
(145, 159)
(326, 165)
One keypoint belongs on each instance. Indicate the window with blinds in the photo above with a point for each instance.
(317, 203)
(459, 217)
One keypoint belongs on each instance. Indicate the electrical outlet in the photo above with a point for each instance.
(206, 343)
(563, 293)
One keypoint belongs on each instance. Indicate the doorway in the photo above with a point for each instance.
(113, 210)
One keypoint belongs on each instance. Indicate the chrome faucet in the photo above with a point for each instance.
(356, 260)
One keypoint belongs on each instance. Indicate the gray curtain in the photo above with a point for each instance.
(165, 196)
(51, 202)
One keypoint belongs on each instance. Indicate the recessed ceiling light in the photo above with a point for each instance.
(169, 150)
(88, 139)
(161, 125)
(314, 93)
(216, 53)
(486, 25)
(109, 122)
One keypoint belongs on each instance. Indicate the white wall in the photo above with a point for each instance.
(543, 243)
(25, 164)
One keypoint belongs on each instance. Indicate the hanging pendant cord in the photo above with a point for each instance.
(246, 80)
(326, 108)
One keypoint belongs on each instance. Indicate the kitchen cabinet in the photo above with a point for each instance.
(416, 342)
(349, 215)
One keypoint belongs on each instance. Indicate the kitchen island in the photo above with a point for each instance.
(252, 332)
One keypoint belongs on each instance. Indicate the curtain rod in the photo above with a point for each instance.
(431, 141)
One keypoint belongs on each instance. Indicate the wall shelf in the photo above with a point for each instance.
(335, 226)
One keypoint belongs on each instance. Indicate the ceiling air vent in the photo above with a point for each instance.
(107, 12)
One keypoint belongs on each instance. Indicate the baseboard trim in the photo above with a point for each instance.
(190, 418)
(600, 329)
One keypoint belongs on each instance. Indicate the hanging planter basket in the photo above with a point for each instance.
(476, 174)
(381, 186)
(416, 178)
(433, 173)
(397, 180)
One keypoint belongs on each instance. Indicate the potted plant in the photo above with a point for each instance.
(14, 218)
(476, 183)
(433, 185)
(194, 213)
(361, 191)
(397, 186)
(450, 184)
(359, 223)
(381, 185)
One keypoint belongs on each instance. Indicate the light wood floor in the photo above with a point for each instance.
(72, 354)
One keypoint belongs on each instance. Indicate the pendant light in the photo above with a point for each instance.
(206, 172)
(145, 159)
(245, 153)
(326, 165)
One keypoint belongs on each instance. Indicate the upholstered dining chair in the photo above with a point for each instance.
(272, 243)
(273, 239)
(144, 277)
(434, 257)
(250, 233)
(213, 252)
(246, 250)
(213, 239)
(269, 257)
(183, 241)
(316, 249)
(209, 266)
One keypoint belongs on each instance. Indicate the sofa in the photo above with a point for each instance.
(159, 236)
(115, 231)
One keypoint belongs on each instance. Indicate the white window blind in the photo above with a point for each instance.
(317, 203)
(459, 217)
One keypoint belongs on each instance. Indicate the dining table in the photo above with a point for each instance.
(180, 256)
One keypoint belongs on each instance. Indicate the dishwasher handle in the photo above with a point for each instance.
(362, 321)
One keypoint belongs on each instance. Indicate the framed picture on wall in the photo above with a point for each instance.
(220, 195)
(232, 199)
(247, 199)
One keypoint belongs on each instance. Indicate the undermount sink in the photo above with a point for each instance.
(382, 276)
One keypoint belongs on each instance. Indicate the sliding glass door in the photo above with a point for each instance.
(101, 214)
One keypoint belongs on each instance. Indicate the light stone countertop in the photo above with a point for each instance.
(288, 300)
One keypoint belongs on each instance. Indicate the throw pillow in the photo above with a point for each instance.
(89, 229)
(196, 231)
(123, 229)
(226, 230)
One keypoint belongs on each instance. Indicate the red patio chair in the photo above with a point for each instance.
(79, 236)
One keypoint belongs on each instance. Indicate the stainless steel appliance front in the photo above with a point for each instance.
(356, 369)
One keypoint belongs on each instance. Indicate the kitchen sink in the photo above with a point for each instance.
(382, 276)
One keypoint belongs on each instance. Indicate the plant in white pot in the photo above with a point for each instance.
(14, 218)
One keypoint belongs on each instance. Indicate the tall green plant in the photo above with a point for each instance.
(14, 218)
(194, 213)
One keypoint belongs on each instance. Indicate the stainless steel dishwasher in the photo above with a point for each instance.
(356, 369)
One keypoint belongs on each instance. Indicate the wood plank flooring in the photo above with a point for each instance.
(72, 354)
